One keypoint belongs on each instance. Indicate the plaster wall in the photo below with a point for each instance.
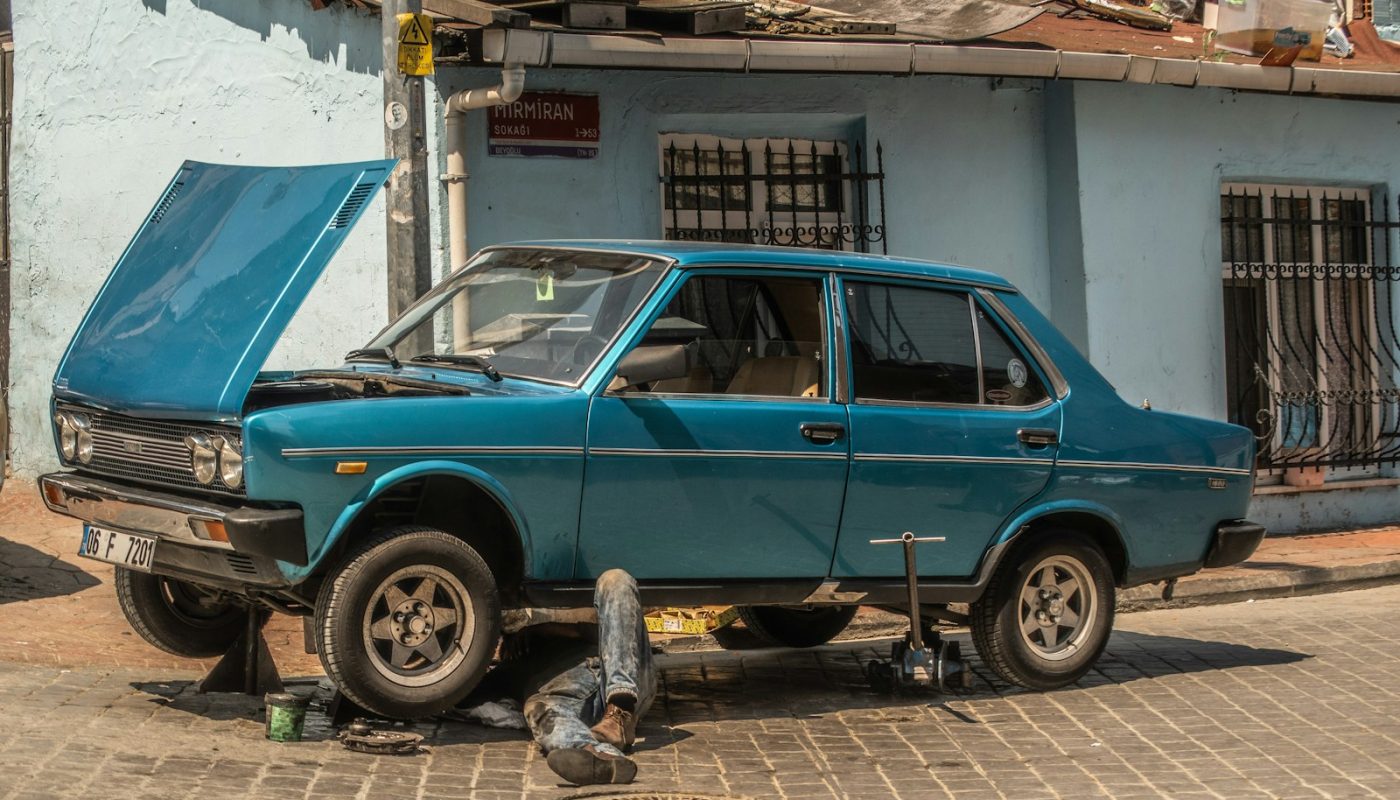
(964, 158)
(111, 100)
(1151, 163)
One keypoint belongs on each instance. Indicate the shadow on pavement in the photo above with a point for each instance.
(715, 686)
(30, 574)
(765, 683)
(183, 695)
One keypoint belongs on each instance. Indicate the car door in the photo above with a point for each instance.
(951, 427)
(735, 469)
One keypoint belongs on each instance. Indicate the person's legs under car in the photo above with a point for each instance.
(609, 693)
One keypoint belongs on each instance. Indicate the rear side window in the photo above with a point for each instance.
(931, 346)
(1007, 377)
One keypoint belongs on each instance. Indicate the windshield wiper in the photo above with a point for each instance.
(386, 353)
(486, 367)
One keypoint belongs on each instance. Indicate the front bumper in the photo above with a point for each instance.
(1234, 541)
(257, 537)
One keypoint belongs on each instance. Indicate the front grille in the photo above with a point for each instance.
(146, 450)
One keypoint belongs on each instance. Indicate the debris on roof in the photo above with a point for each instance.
(1117, 27)
(944, 20)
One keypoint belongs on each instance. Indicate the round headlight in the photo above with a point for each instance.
(230, 462)
(83, 428)
(67, 436)
(204, 459)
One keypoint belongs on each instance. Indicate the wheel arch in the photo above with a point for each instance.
(1100, 524)
(457, 499)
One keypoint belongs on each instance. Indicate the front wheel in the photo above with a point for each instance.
(407, 624)
(181, 618)
(1046, 615)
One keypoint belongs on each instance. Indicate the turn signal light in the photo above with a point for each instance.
(351, 467)
(210, 529)
(54, 495)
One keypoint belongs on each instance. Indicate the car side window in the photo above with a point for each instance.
(1007, 377)
(743, 336)
(918, 345)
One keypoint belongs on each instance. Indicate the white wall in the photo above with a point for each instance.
(111, 97)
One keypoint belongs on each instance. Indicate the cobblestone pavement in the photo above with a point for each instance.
(1285, 698)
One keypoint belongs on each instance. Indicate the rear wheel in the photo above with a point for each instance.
(1046, 615)
(181, 618)
(783, 626)
(406, 626)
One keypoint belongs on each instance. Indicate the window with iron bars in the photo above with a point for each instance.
(1312, 356)
(793, 192)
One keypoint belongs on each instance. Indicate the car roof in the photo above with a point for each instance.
(713, 253)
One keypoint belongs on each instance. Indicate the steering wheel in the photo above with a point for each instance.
(587, 349)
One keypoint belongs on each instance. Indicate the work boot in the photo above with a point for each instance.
(588, 765)
(618, 727)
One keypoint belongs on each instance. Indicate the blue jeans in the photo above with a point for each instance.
(561, 713)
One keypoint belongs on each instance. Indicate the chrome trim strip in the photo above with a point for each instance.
(858, 272)
(1057, 379)
(682, 453)
(316, 452)
(906, 457)
(743, 398)
(1130, 465)
(964, 407)
(840, 355)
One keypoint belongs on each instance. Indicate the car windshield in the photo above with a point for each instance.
(528, 312)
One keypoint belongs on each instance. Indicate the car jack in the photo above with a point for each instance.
(922, 659)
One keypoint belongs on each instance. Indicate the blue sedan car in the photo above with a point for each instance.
(730, 424)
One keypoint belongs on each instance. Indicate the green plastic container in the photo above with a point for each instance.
(286, 715)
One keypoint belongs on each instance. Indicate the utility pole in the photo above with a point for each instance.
(405, 138)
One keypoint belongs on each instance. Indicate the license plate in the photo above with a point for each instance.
(126, 549)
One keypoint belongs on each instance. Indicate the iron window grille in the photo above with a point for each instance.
(798, 193)
(1312, 354)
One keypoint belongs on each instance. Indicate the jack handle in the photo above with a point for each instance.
(911, 577)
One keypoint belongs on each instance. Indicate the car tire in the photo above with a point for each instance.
(782, 626)
(407, 623)
(181, 618)
(1047, 613)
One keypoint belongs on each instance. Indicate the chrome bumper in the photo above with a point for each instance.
(255, 538)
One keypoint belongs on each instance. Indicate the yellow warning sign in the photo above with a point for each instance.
(415, 44)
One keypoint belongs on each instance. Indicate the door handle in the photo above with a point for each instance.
(1038, 437)
(822, 432)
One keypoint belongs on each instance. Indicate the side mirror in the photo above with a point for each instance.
(649, 364)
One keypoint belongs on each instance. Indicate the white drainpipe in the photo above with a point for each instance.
(455, 131)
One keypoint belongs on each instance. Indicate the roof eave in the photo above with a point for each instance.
(534, 48)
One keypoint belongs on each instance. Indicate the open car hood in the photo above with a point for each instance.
(194, 306)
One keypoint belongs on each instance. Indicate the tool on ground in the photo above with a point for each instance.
(923, 659)
(361, 738)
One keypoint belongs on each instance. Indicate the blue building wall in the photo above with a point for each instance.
(965, 160)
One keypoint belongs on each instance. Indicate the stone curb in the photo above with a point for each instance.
(1259, 583)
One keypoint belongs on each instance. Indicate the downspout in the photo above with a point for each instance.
(455, 131)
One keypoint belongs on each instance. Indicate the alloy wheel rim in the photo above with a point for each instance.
(1057, 607)
(416, 625)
